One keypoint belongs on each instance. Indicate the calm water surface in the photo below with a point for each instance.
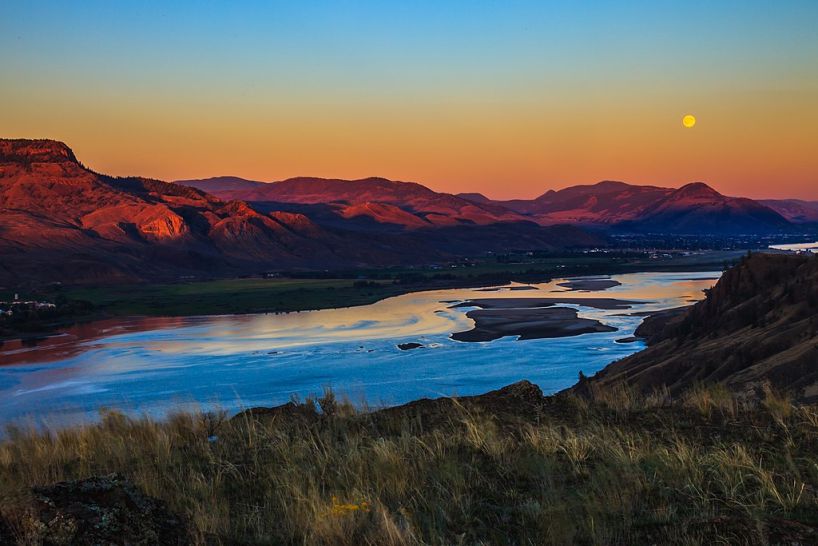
(159, 365)
(798, 247)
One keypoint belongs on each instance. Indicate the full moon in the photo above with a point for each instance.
(689, 121)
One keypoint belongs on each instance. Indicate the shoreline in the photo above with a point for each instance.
(343, 290)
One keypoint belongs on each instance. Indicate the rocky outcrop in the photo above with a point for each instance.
(60, 221)
(27, 152)
(104, 510)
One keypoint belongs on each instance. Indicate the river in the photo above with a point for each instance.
(156, 366)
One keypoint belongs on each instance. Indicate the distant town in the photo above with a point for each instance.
(9, 308)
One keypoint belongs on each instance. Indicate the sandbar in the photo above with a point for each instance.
(528, 323)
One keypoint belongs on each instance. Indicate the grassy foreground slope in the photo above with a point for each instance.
(508, 467)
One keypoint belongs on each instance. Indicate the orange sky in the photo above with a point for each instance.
(508, 103)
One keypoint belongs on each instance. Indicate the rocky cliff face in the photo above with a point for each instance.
(758, 325)
(27, 152)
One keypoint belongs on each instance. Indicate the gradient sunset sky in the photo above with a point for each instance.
(501, 97)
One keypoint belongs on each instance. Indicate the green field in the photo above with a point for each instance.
(231, 296)
(338, 289)
(292, 294)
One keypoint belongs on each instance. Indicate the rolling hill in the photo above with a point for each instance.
(404, 204)
(84, 226)
(64, 222)
(605, 203)
(796, 211)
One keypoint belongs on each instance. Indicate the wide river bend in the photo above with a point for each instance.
(160, 365)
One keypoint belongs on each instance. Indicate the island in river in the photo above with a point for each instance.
(537, 318)
(528, 323)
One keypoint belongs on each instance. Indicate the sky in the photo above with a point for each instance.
(508, 98)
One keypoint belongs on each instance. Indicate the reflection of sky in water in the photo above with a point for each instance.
(158, 365)
(811, 247)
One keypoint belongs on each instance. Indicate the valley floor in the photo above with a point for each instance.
(310, 291)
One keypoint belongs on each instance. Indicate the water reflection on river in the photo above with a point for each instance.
(157, 365)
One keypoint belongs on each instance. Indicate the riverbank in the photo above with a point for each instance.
(361, 287)
(507, 467)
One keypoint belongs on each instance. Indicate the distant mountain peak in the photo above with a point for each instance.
(546, 195)
(696, 189)
(373, 179)
(611, 184)
(35, 151)
(319, 180)
(474, 197)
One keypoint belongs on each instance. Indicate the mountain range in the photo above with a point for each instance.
(693, 209)
(60, 221)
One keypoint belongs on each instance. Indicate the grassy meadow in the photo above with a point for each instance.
(230, 296)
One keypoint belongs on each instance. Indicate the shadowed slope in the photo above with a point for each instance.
(758, 325)
(605, 203)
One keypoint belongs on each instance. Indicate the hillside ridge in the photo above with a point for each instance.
(757, 326)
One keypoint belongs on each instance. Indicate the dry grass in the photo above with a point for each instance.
(710, 399)
(626, 470)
